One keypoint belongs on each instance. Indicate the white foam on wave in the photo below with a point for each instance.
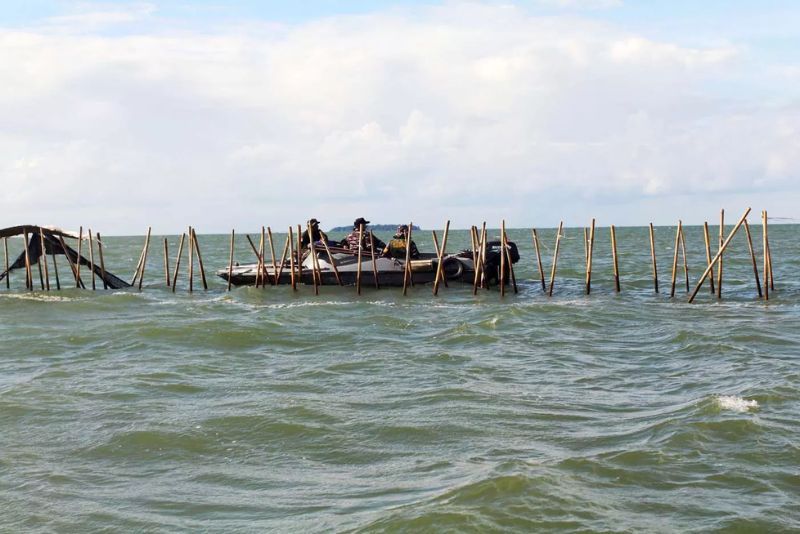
(737, 404)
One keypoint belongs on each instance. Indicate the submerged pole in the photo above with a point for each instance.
(653, 256)
(589, 255)
(166, 261)
(555, 259)
(752, 257)
(719, 255)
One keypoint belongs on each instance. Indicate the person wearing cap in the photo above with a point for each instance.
(316, 233)
(351, 241)
(397, 246)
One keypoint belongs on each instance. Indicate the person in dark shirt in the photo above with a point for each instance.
(316, 233)
(351, 241)
(397, 246)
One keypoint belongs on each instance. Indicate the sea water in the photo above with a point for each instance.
(262, 410)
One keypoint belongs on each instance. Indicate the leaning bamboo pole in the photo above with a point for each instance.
(43, 255)
(586, 245)
(436, 250)
(374, 261)
(484, 248)
(752, 257)
(144, 256)
(283, 259)
(262, 253)
(78, 280)
(473, 238)
(102, 259)
(769, 254)
(313, 252)
(708, 256)
(407, 266)
(272, 257)
(440, 274)
(589, 255)
(91, 259)
(555, 259)
(39, 266)
(766, 253)
(55, 271)
(675, 259)
(199, 259)
(191, 259)
(615, 258)
(299, 256)
(653, 256)
(719, 267)
(29, 274)
(230, 260)
(502, 261)
(166, 261)
(291, 259)
(69, 259)
(478, 264)
(8, 274)
(685, 262)
(719, 255)
(360, 249)
(333, 262)
(510, 263)
(539, 265)
(178, 262)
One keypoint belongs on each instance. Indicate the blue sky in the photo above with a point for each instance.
(630, 111)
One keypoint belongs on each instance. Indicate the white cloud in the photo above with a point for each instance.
(471, 110)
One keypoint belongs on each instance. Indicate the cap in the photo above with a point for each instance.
(313, 222)
(358, 222)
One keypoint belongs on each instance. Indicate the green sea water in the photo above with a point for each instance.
(262, 410)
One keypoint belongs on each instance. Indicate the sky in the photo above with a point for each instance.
(220, 115)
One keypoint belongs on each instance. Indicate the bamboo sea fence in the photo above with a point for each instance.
(604, 257)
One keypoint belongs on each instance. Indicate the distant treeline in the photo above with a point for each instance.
(374, 228)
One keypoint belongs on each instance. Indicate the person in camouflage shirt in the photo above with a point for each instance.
(351, 241)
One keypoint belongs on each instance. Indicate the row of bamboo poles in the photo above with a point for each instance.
(479, 240)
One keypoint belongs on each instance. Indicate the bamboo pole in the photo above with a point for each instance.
(374, 261)
(55, 271)
(752, 257)
(719, 255)
(178, 262)
(653, 256)
(685, 263)
(29, 274)
(436, 250)
(766, 253)
(313, 252)
(39, 266)
(708, 256)
(262, 249)
(145, 250)
(283, 259)
(8, 274)
(473, 238)
(407, 266)
(719, 267)
(589, 255)
(259, 261)
(502, 276)
(102, 260)
(769, 255)
(291, 258)
(272, 256)
(484, 246)
(333, 261)
(230, 260)
(299, 256)
(191, 260)
(91, 259)
(510, 263)
(586, 245)
(358, 267)
(477, 261)
(43, 256)
(199, 260)
(555, 259)
(80, 255)
(69, 259)
(539, 265)
(166, 261)
(440, 275)
(675, 259)
(615, 258)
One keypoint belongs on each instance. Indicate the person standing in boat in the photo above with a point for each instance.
(397, 246)
(316, 233)
(351, 241)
